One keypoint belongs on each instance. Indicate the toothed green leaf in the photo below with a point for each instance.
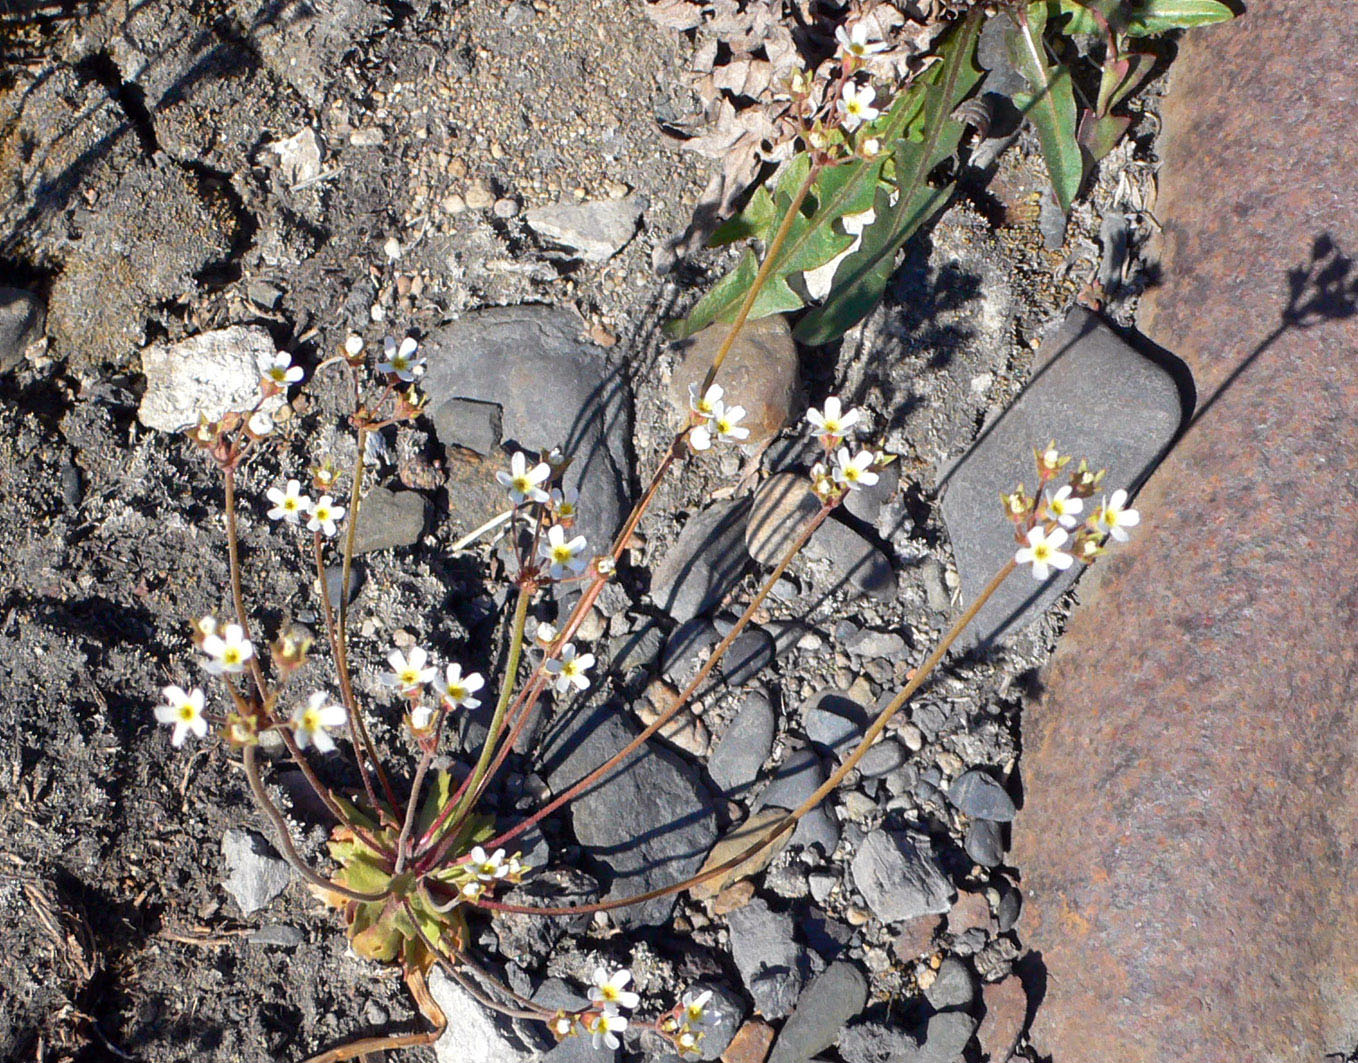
(862, 277)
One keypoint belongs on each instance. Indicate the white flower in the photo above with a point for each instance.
(605, 566)
(1044, 552)
(855, 106)
(1114, 518)
(522, 481)
(563, 554)
(563, 1025)
(457, 689)
(278, 368)
(487, 868)
(870, 148)
(288, 505)
(227, 652)
(686, 1042)
(401, 359)
(564, 503)
(570, 668)
(260, 424)
(353, 345)
(609, 992)
(695, 1008)
(822, 483)
(421, 718)
(704, 405)
(309, 721)
(722, 427)
(605, 1028)
(185, 711)
(834, 421)
(545, 634)
(323, 514)
(1063, 508)
(408, 670)
(855, 42)
(854, 471)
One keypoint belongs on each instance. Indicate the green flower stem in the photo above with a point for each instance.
(362, 744)
(501, 704)
(790, 820)
(285, 845)
(340, 633)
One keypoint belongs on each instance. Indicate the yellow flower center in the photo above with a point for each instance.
(410, 677)
(851, 473)
(522, 485)
(311, 720)
(231, 655)
(187, 712)
(457, 693)
(291, 503)
(322, 513)
(1042, 552)
(694, 1012)
(608, 992)
(570, 668)
(562, 554)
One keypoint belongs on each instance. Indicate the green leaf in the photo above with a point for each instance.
(812, 240)
(1121, 78)
(1141, 18)
(1099, 136)
(1082, 17)
(1137, 18)
(862, 277)
(1050, 106)
(758, 218)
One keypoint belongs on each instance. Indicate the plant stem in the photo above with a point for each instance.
(363, 751)
(760, 278)
(501, 704)
(683, 696)
(285, 845)
(237, 595)
(790, 820)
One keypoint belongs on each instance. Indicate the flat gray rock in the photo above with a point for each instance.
(825, 1006)
(554, 389)
(1098, 399)
(596, 230)
(771, 963)
(833, 721)
(897, 876)
(648, 824)
(705, 562)
(745, 745)
(794, 781)
(981, 797)
(387, 519)
(855, 560)
(257, 873)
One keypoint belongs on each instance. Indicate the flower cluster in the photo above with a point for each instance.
(686, 1025)
(290, 505)
(712, 420)
(843, 470)
(229, 653)
(1047, 521)
(609, 995)
(411, 672)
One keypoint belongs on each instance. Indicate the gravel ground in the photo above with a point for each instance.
(157, 190)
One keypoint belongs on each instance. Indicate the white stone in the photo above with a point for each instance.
(299, 157)
(473, 1035)
(595, 230)
(208, 374)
